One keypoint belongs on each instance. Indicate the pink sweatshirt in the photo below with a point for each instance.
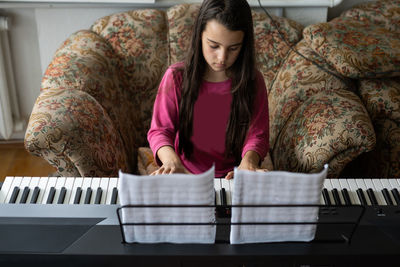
(211, 115)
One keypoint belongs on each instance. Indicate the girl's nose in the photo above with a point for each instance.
(222, 55)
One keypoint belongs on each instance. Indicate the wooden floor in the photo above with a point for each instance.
(16, 161)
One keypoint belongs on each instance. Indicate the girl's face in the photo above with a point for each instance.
(220, 48)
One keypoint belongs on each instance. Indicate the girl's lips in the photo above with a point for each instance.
(219, 65)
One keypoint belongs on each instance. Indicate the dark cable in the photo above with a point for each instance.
(340, 77)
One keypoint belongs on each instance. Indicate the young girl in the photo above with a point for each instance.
(213, 108)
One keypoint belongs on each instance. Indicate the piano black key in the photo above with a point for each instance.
(396, 195)
(346, 197)
(326, 197)
(14, 195)
(35, 195)
(88, 195)
(99, 192)
(50, 198)
(114, 196)
(361, 197)
(78, 195)
(223, 197)
(336, 196)
(372, 197)
(61, 197)
(387, 197)
(25, 194)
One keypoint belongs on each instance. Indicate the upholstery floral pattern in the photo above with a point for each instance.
(315, 118)
(180, 23)
(363, 42)
(86, 72)
(139, 39)
(381, 97)
(96, 100)
(271, 50)
(384, 12)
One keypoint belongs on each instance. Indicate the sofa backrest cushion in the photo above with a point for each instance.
(362, 43)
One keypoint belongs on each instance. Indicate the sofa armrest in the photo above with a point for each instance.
(330, 127)
(74, 134)
(83, 84)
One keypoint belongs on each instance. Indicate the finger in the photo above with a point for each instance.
(229, 175)
(262, 170)
(156, 172)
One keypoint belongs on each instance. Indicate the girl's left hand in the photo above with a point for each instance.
(230, 174)
(249, 162)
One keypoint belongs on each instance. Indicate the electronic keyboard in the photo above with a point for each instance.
(67, 221)
(81, 191)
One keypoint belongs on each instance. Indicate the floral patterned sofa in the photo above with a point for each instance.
(96, 98)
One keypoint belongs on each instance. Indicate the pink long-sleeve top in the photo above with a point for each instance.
(210, 119)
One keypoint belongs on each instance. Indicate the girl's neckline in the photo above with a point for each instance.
(224, 81)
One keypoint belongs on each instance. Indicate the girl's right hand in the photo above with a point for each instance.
(170, 167)
(170, 162)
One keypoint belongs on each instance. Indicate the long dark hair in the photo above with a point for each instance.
(235, 15)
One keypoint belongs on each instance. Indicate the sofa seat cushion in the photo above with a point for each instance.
(357, 49)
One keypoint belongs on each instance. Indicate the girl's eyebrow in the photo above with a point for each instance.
(220, 44)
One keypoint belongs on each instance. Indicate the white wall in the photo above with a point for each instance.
(36, 33)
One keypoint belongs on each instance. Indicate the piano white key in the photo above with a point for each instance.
(370, 185)
(59, 184)
(69, 185)
(322, 201)
(118, 203)
(217, 188)
(336, 184)
(378, 191)
(24, 183)
(353, 187)
(33, 183)
(360, 183)
(111, 185)
(345, 185)
(225, 184)
(6, 187)
(94, 186)
(328, 186)
(16, 182)
(50, 183)
(42, 187)
(87, 181)
(104, 185)
(393, 184)
(77, 183)
(231, 183)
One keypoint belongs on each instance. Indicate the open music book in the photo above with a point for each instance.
(275, 188)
